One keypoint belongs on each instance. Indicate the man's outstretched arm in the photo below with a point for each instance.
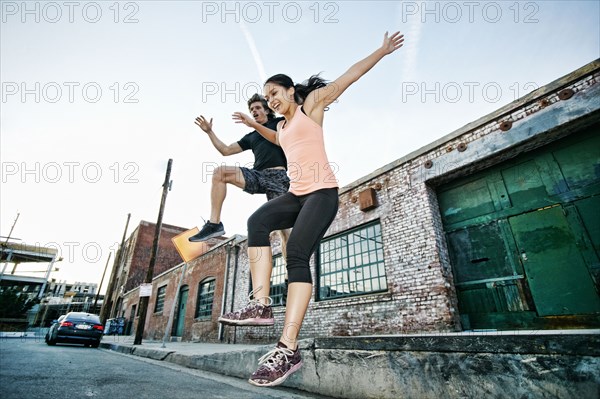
(223, 148)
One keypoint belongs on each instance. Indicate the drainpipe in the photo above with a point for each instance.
(235, 268)
(224, 297)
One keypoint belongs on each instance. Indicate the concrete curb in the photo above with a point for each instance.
(121, 348)
(526, 366)
(156, 354)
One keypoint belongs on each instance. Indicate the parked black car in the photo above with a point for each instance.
(53, 327)
(77, 328)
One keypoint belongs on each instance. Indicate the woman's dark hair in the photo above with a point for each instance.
(301, 89)
(257, 98)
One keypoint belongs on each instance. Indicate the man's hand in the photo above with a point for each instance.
(240, 117)
(204, 124)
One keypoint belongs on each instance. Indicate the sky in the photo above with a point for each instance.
(98, 96)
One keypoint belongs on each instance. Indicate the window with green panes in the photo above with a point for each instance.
(277, 280)
(352, 263)
(206, 293)
(160, 299)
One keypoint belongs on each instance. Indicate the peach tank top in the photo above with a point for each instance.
(308, 167)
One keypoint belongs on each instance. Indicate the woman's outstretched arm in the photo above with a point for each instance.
(271, 135)
(321, 98)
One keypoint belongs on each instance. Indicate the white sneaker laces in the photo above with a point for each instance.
(256, 301)
(274, 357)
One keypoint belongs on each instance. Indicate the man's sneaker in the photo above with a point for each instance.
(276, 366)
(253, 314)
(210, 230)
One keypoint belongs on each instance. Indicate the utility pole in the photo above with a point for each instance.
(101, 281)
(139, 331)
(107, 303)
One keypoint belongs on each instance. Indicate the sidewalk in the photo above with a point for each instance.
(524, 364)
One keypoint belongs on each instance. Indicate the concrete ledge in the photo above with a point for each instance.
(380, 374)
(454, 365)
(543, 344)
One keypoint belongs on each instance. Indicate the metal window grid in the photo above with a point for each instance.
(160, 299)
(277, 280)
(205, 299)
(352, 263)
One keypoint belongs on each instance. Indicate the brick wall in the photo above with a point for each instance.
(137, 250)
(210, 265)
(139, 259)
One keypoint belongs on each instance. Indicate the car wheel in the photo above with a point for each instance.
(95, 344)
(51, 342)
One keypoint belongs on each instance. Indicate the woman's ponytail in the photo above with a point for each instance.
(301, 90)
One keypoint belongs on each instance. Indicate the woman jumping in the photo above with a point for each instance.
(309, 207)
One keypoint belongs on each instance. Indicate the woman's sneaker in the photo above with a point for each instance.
(253, 314)
(276, 366)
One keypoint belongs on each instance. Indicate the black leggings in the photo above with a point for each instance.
(310, 216)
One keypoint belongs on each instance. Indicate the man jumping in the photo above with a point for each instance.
(268, 176)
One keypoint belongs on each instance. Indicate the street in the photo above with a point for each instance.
(31, 369)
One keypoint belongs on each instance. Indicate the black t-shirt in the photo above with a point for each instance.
(266, 154)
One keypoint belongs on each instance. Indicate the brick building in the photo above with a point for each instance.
(494, 226)
(132, 261)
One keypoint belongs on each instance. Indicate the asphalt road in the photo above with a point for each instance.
(31, 369)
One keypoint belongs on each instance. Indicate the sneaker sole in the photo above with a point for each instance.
(208, 237)
(247, 322)
(280, 380)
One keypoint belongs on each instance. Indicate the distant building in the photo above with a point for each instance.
(16, 253)
(493, 226)
(132, 261)
(59, 298)
(63, 297)
(62, 288)
(26, 285)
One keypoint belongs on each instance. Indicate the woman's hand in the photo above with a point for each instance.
(392, 43)
(240, 117)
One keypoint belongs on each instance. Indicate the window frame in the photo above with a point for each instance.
(353, 264)
(276, 296)
(160, 297)
(199, 298)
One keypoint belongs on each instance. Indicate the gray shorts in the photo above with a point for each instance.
(273, 182)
